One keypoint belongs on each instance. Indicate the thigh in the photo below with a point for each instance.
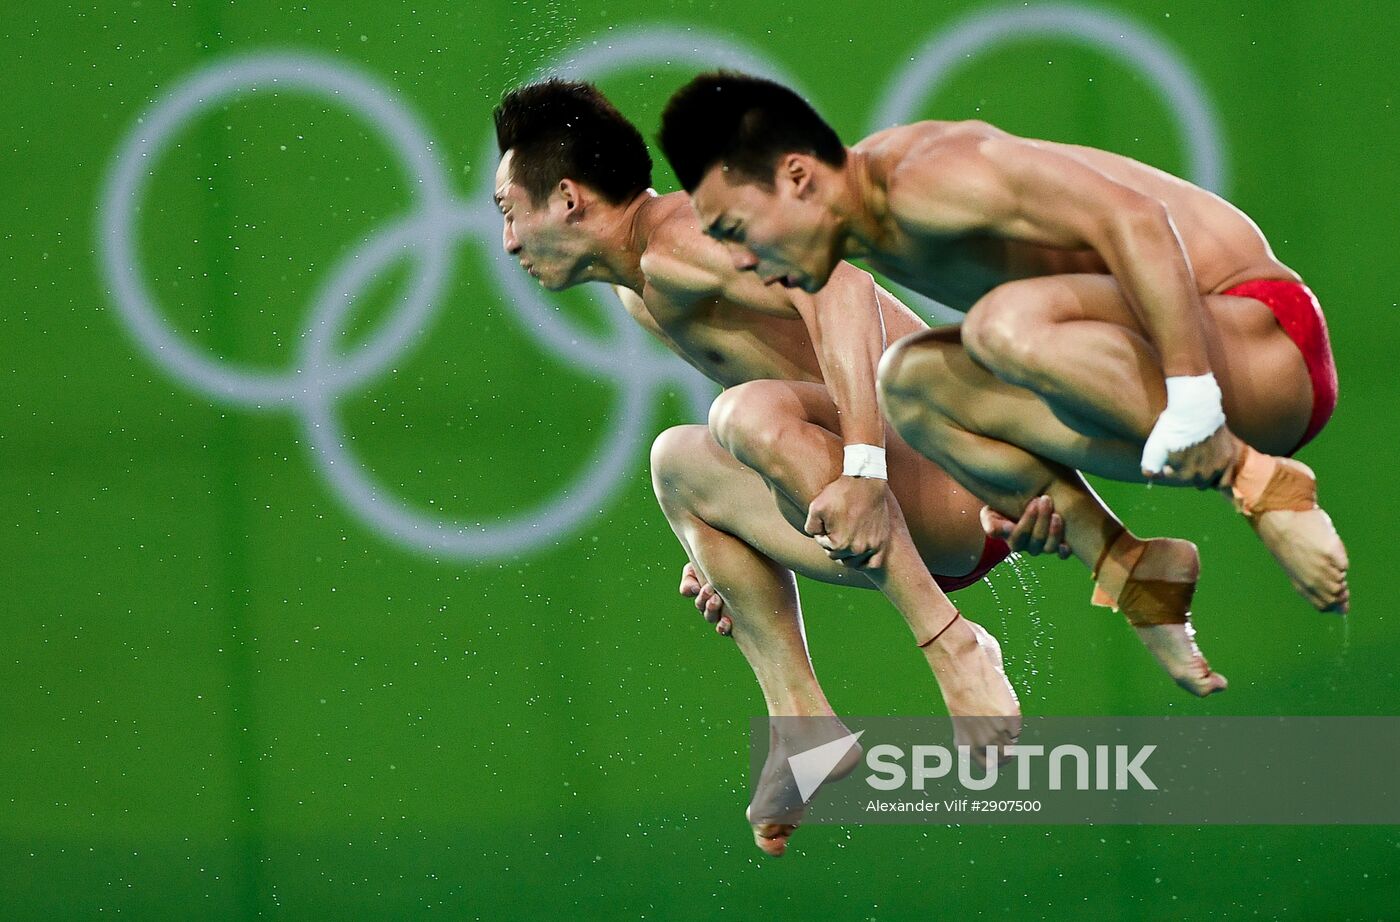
(948, 403)
(729, 496)
(1263, 380)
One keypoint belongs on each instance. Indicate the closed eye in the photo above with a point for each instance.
(721, 233)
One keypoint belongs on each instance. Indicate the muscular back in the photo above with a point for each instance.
(936, 241)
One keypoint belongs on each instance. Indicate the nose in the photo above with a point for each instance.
(509, 241)
(743, 258)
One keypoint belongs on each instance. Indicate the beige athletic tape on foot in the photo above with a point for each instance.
(1142, 601)
(1264, 483)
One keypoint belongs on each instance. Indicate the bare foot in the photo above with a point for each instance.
(1279, 497)
(968, 664)
(1174, 645)
(1311, 552)
(778, 805)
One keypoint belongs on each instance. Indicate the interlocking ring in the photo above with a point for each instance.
(438, 223)
(429, 234)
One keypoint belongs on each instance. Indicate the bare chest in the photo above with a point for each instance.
(727, 343)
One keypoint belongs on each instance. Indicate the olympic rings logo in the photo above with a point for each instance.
(438, 223)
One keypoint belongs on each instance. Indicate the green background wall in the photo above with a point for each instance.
(226, 694)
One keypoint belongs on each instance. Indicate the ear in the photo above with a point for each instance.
(571, 195)
(796, 173)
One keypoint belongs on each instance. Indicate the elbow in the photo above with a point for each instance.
(1135, 218)
(846, 309)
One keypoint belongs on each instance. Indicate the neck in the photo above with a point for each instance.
(858, 205)
(623, 240)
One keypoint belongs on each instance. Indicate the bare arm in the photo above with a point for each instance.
(846, 323)
(1027, 191)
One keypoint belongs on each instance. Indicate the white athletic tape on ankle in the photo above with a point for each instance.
(1192, 415)
(865, 461)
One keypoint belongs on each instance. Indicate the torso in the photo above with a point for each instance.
(1224, 246)
(726, 343)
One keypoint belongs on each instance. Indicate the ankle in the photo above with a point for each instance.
(1250, 474)
(1121, 549)
(951, 643)
(797, 705)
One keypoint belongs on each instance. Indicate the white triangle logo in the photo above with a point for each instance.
(811, 767)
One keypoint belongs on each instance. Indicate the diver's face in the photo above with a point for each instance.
(538, 234)
(780, 233)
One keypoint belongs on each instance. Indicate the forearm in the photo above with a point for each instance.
(1145, 255)
(851, 516)
(850, 379)
(1157, 278)
(848, 334)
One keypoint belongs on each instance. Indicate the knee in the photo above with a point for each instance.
(746, 420)
(1001, 331)
(915, 376)
(673, 457)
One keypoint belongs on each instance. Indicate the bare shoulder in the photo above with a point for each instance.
(685, 269)
(906, 148)
(936, 175)
(681, 261)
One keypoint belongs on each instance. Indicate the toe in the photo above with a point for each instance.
(1204, 686)
(772, 838)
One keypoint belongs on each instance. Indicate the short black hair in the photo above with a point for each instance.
(568, 129)
(745, 123)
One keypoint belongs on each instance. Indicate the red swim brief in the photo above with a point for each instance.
(994, 551)
(1301, 317)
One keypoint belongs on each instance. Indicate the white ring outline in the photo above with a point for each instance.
(440, 221)
(134, 164)
(1100, 29)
